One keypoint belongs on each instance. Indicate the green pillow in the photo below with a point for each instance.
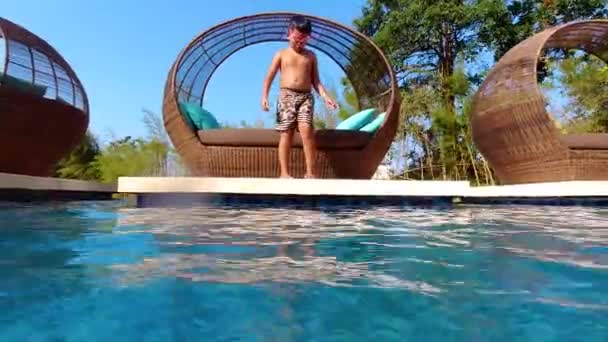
(357, 120)
(197, 117)
(374, 125)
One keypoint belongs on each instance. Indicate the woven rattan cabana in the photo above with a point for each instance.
(43, 106)
(253, 152)
(510, 123)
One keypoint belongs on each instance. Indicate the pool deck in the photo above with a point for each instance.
(190, 190)
(15, 187)
(165, 190)
(297, 187)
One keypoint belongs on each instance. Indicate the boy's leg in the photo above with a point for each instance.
(286, 120)
(310, 149)
(284, 147)
(307, 131)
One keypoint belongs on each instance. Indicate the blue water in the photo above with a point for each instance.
(101, 271)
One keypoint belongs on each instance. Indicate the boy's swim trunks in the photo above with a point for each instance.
(294, 107)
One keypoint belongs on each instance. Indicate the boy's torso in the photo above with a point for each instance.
(296, 70)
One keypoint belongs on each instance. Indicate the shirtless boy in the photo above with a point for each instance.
(299, 74)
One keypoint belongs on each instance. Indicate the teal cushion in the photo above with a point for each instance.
(184, 109)
(358, 120)
(374, 125)
(197, 117)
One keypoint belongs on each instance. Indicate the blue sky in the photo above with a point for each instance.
(122, 51)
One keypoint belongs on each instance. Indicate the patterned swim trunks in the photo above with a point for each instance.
(294, 107)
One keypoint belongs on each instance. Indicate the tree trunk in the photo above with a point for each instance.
(489, 178)
(446, 69)
(473, 163)
(404, 153)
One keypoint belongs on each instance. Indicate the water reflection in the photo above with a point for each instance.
(467, 273)
(38, 247)
(384, 247)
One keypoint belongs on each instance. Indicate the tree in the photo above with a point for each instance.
(79, 163)
(150, 156)
(350, 103)
(582, 80)
(424, 38)
(523, 18)
(155, 127)
(425, 41)
(435, 48)
(130, 158)
(158, 142)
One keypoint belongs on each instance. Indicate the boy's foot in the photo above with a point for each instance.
(309, 176)
(285, 176)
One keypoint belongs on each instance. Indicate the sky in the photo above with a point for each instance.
(123, 50)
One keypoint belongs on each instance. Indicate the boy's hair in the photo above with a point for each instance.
(301, 24)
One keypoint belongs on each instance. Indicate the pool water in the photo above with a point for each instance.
(103, 271)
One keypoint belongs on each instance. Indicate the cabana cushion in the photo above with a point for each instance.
(373, 126)
(263, 137)
(585, 141)
(198, 117)
(357, 120)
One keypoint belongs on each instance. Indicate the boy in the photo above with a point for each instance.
(299, 73)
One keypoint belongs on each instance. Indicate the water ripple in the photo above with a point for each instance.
(464, 273)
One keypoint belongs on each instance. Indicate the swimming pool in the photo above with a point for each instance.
(99, 271)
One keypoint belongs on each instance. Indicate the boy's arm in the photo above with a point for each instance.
(272, 71)
(316, 82)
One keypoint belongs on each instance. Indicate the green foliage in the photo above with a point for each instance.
(137, 157)
(349, 95)
(583, 80)
(423, 38)
(153, 156)
(319, 123)
(458, 84)
(131, 157)
(155, 127)
(79, 163)
(350, 104)
(522, 18)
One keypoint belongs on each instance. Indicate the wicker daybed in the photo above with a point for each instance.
(43, 107)
(253, 152)
(513, 130)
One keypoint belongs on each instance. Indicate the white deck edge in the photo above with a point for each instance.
(24, 182)
(314, 187)
(549, 189)
(276, 186)
(345, 187)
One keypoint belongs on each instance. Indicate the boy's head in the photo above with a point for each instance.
(300, 29)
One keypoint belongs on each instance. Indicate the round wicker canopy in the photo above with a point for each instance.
(243, 152)
(363, 63)
(44, 110)
(511, 125)
(28, 63)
